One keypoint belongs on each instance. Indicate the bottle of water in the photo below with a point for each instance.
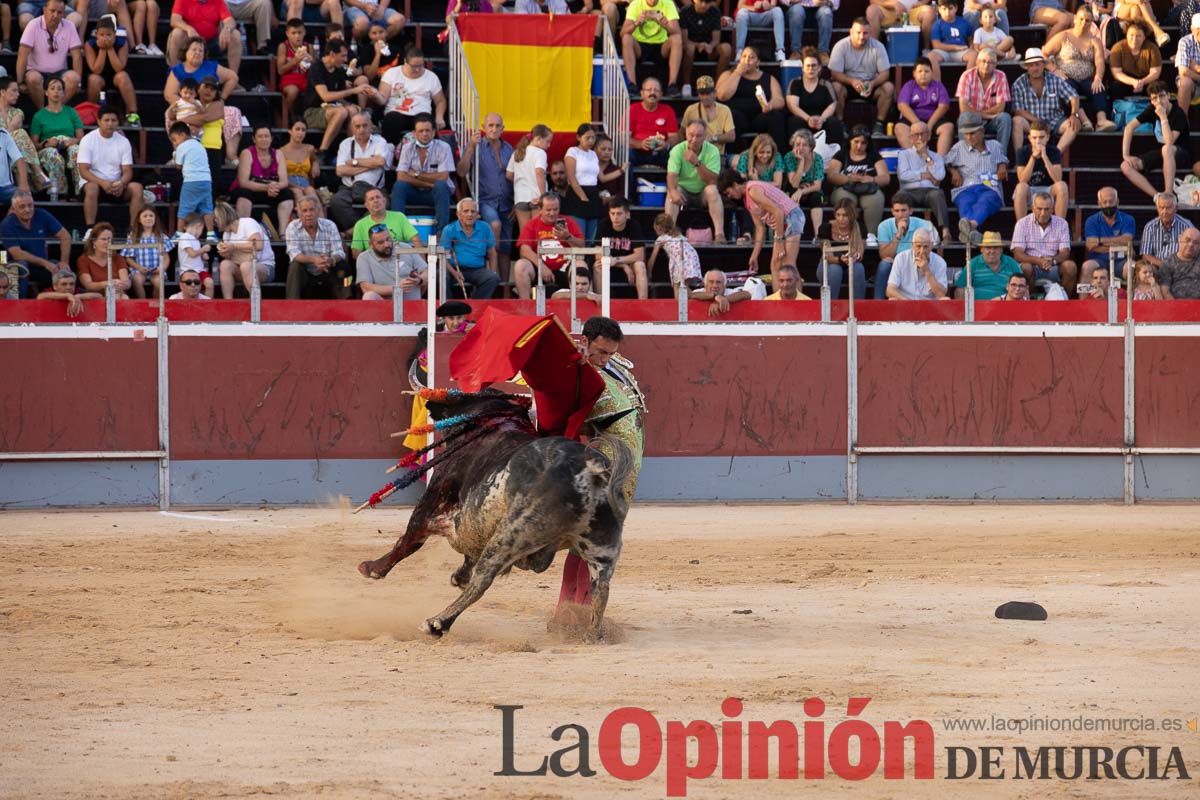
(54, 191)
(316, 48)
(242, 33)
(734, 228)
(102, 96)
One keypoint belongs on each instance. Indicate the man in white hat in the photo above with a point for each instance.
(1042, 95)
(1187, 64)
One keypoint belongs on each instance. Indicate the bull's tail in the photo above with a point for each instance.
(621, 466)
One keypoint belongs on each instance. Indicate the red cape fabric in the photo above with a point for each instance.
(565, 386)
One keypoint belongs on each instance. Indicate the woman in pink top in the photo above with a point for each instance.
(769, 206)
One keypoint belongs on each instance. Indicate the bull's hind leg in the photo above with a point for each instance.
(461, 575)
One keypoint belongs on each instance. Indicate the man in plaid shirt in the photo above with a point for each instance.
(1160, 237)
(318, 267)
(1187, 64)
(985, 91)
(1041, 244)
(1039, 95)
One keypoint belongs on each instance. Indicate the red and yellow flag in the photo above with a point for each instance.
(532, 68)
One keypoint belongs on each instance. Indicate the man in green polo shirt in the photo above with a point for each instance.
(377, 211)
(990, 270)
(692, 170)
(651, 31)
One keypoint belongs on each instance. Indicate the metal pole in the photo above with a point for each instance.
(255, 289)
(576, 326)
(850, 283)
(110, 292)
(605, 276)
(431, 305)
(397, 291)
(164, 415)
(1130, 390)
(851, 407)
(969, 296)
(681, 297)
(539, 292)
(826, 294)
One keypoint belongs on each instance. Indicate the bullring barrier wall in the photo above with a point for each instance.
(877, 408)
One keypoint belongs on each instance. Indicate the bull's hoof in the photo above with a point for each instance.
(433, 627)
(593, 636)
(460, 578)
(365, 569)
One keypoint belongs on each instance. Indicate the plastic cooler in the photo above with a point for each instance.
(891, 157)
(597, 76)
(652, 194)
(424, 226)
(788, 72)
(904, 44)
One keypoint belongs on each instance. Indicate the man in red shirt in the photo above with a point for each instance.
(547, 226)
(212, 22)
(653, 127)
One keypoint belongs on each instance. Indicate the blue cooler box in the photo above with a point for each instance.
(424, 226)
(654, 196)
(904, 44)
(788, 72)
(597, 76)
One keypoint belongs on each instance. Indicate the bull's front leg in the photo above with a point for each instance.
(419, 529)
(600, 568)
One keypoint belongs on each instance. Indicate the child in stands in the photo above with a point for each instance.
(148, 265)
(192, 254)
(682, 258)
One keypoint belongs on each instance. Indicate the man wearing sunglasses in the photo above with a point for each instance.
(189, 287)
(45, 45)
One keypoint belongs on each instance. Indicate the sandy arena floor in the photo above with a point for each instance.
(238, 653)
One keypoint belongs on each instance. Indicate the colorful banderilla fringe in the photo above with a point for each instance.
(417, 470)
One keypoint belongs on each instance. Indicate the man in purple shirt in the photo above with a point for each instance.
(45, 46)
(923, 99)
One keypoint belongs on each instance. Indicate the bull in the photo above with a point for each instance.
(511, 498)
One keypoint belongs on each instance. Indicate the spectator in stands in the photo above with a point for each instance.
(1017, 288)
(526, 169)
(717, 292)
(984, 90)
(472, 252)
(626, 244)
(583, 287)
(327, 9)
(768, 207)
(1079, 56)
(144, 28)
(582, 201)
(423, 168)
(148, 266)
(64, 289)
(541, 7)
(700, 22)
(209, 20)
(106, 64)
(329, 88)
(261, 14)
(551, 228)
(651, 31)
(106, 168)
(977, 13)
(1172, 134)
(653, 128)
(1140, 11)
(558, 179)
(456, 7)
(789, 285)
(189, 287)
(1098, 288)
(612, 176)
(362, 162)
(895, 236)
(843, 230)
(409, 91)
(1134, 62)
(293, 57)
(300, 159)
(918, 273)
(1108, 227)
(716, 116)
(378, 214)
(1145, 283)
(46, 45)
(754, 97)
(950, 39)
(376, 268)
(692, 172)
(805, 171)
(27, 11)
(924, 101)
(761, 161)
(811, 101)
(9, 289)
(245, 250)
(1039, 171)
(93, 265)
(991, 271)
(797, 13)
(194, 65)
(1160, 237)
(25, 232)
(495, 190)
(921, 172)
(218, 133)
(1041, 243)
(860, 68)
(978, 167)
(1187, 64)
(192, 254)
(1050, 13)
(317, 267)
(886, 13)
(12, 121)
(759, 14)
(1039, 96)
(262, 180)
(56, 131)
(860, 176)
(1179, 276)
(683, 262)
(361, 13)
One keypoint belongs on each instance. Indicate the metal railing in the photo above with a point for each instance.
(573, 255)
(465, 113)
(614, 111)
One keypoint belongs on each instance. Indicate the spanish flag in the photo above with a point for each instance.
(532, 68)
